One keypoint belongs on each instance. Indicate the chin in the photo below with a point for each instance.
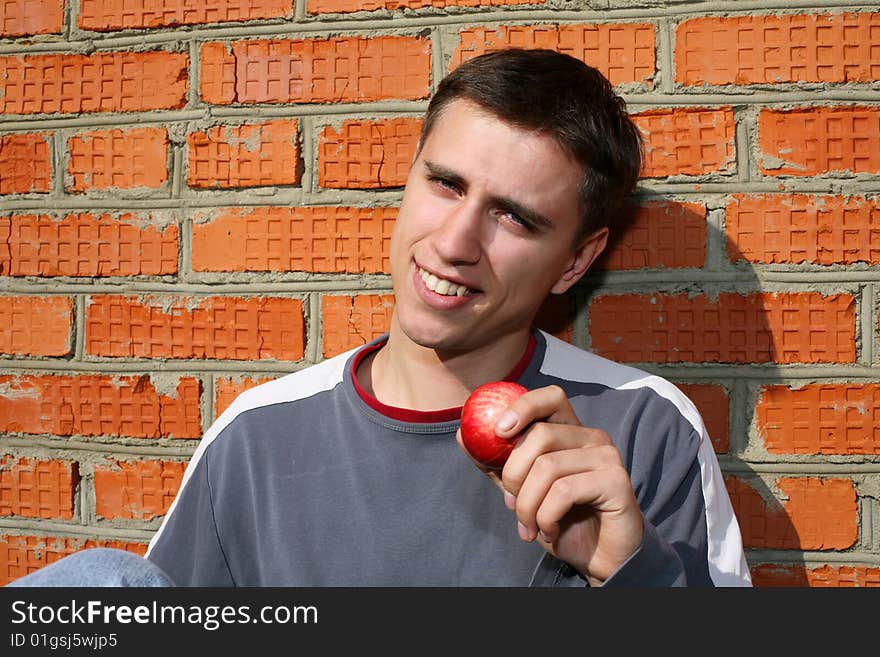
(437, 337)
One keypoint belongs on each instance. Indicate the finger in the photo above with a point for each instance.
(549, 403)
(553, 466)
(543, 438)
(607, 491)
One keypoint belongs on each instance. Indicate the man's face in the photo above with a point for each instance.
(485, 231)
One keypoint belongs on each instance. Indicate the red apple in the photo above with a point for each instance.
(478, 417)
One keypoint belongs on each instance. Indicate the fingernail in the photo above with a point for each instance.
(523, 532)
(509, 500)
(544, 538)
(506, 421)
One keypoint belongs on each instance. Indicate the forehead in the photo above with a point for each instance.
(508, 159)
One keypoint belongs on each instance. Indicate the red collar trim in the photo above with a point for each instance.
(414, 416)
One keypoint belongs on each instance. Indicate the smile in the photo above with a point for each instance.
(442, 286)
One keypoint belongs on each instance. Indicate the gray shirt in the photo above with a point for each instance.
(308, 481)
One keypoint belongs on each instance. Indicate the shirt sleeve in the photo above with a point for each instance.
(691, 536)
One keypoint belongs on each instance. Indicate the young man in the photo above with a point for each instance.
(351, 472)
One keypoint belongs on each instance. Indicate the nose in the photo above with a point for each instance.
(458, 239)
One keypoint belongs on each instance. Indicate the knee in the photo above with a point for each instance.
(98, 567)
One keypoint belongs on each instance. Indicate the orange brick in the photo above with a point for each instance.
(337, 70)
(36, 326)
(21, 555)
(556, 316)
(822, 418)
(690, 141)
(351, 321)
(778, 48)
(827, 576)
(106, 15)
(25, 163)
(31, 488)
(138, 490)
(226, 389)
(817, 140)
(796, 228)
(714, 407)
(349, 6)
(121, 159)
(367, 154)
(155, 326)
(27, 17)
(99, 405)
(218, 70)
(808, 513)
(313, 239)
(87, 245)
(101, 82)
(795, 327)
(623, 52)
(245, 156)
(661, 235)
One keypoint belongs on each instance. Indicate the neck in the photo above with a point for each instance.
(407, 375)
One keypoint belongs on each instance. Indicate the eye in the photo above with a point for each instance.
(517, 221)
(444, 183)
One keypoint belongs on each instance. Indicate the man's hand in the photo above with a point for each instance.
(567, 485)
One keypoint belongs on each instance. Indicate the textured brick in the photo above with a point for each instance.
(105, 15)
(28, 17)
(87, 245)
(822, 418)
(796, 228)
(351, 321)
(37, 489)
(689, 141)
(817, 140)
(138, 490)
(807, 513)
(226, 389)
(623, 52)
(778, 48)
(21, 555)
(795, 327)
(245, 156)
(99, 405)
(314, 239)
(25, 163)
(668, 235)
(367, 154)
(101, 82)
(350, 6)
(152, 326)
(337, 70)
(36, 326)
(714, 406)
(121, 159)
(827, 576)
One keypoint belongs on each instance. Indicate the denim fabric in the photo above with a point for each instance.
(97, 567)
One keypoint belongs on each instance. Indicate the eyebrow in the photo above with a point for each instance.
(533, 217)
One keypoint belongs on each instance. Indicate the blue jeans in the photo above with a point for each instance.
(97, 567)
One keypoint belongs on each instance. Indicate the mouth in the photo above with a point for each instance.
(443, 286)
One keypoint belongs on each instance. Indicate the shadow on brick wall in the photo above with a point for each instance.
(675, 296)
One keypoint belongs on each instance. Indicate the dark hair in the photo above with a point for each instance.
(562, 96)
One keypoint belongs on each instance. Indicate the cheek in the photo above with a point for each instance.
(532, 282)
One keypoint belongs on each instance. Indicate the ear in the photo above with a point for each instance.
(584, 256)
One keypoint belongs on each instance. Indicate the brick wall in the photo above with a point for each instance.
(196, 200)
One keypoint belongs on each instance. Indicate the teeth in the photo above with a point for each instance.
(442, 286)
